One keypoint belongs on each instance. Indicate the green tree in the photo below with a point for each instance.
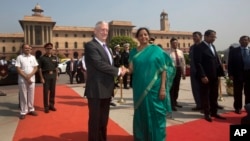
(187, 59)
(121, 40)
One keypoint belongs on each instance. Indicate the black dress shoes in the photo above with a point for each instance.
(208, 118)
(218, 116)
(112, 104)
(33, 113)
(196, 109)
(220, 107)
(237, 111)
(2, 94)
(46, 110)
(179, 106)
(22, 117)
(52, 108)
(174, 108)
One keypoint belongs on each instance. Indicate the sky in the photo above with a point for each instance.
(229, 18)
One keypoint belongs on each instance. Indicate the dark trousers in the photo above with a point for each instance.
(71, 76)
(125, 81)
(130, 80)
(49, 90)
(174, 91)
(79, 77)
(195, 85)
(239, 85)
(98, 119)
(209, 96)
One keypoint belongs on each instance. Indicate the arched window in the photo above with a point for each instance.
(13, 49)
(75, 45)
(3, 49)
(57, 45)
(168, 45)
(66, 44)
(83, 45)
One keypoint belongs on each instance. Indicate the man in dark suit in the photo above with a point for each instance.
(197, 38)
(100, 82)
(125, 63)
(117, 60)
(71, 69)
(209, 68)
(239, 72)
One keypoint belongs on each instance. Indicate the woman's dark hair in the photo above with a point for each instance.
(140, 29)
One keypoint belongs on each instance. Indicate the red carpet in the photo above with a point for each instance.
(68, 123)
(201, 130)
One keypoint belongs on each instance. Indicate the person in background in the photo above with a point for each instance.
(197, 38)
(239, 72)
(71, 69)
(48, 72)
(117, 61)
(160, 46)
(100, 83)
(26, 66)
(180, 65)
(208, 68)
(151, 40)
(79, 71)
(125, 63)
(153, 73)
(3, 72)
(84, 68)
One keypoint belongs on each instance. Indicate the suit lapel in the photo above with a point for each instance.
(211, 53)
(103, 51)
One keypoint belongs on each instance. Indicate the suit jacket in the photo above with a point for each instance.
(235, 63)
(100, 82)
(117, 59)
(125, 58)
(207, 64)
(74, 66)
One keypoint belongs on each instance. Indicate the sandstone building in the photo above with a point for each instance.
(70, 40)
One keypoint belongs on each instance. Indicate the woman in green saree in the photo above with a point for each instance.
(153, 72)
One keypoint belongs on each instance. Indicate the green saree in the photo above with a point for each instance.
(149, 123)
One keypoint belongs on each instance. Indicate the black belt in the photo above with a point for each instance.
(49, 71)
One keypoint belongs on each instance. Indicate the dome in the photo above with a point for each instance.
(163, 13)
(37, 8)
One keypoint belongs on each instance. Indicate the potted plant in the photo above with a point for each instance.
(229, 86)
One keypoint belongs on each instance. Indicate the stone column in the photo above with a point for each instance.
(33, 34)
(28, 36)
(42, 35)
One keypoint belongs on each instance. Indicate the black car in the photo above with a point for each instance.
(12, 77)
